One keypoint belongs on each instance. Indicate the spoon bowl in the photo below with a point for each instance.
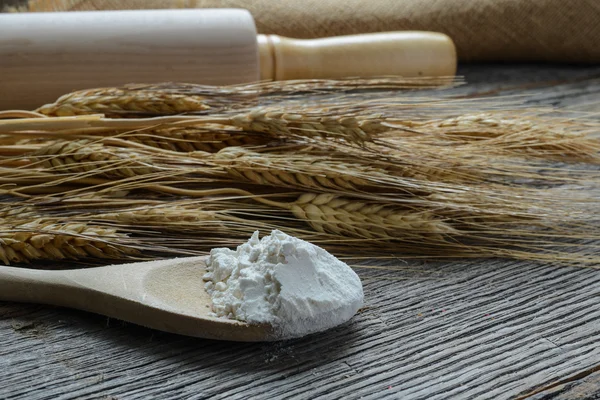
(167, 295)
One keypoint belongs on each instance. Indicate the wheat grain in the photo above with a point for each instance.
(329, 213)
(122, 102)
(39, 240)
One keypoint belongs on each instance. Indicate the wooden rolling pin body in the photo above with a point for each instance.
(45, 55)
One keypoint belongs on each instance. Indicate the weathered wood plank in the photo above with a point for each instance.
(583, 386)
(483, 331)
(467, 329)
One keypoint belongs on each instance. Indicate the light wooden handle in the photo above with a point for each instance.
(27, 285)
(64, 288)
(407, 54)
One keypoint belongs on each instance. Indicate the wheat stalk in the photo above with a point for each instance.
(39, 240)
(344, 167)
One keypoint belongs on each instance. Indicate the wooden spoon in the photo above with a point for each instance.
(167, 295)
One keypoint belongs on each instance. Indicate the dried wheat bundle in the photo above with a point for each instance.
(179, 169)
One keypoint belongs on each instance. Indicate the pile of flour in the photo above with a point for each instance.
(295, 286)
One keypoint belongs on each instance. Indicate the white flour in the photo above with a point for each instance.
(293, 285)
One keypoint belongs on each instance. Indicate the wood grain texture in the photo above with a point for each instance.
(489, 329)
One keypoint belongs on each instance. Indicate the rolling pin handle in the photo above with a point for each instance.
(409, 54)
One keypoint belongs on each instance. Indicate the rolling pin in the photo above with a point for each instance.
(45, 55)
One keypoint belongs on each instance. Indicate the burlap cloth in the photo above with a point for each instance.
(483, 30)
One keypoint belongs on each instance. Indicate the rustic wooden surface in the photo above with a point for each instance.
(466, 330)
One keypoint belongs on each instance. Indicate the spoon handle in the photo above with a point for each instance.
(84, 289)
(27, 285)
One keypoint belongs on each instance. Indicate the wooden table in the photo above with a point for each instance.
(467, 330)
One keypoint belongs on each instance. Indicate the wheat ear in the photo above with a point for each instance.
(121, 102)
(160, 215)
(340, 172)
(85, 156)
(308, 172)
(328, 213)
(17, 213)
(354, 129)
(209, 138)
(552, 138)
(40, 240)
